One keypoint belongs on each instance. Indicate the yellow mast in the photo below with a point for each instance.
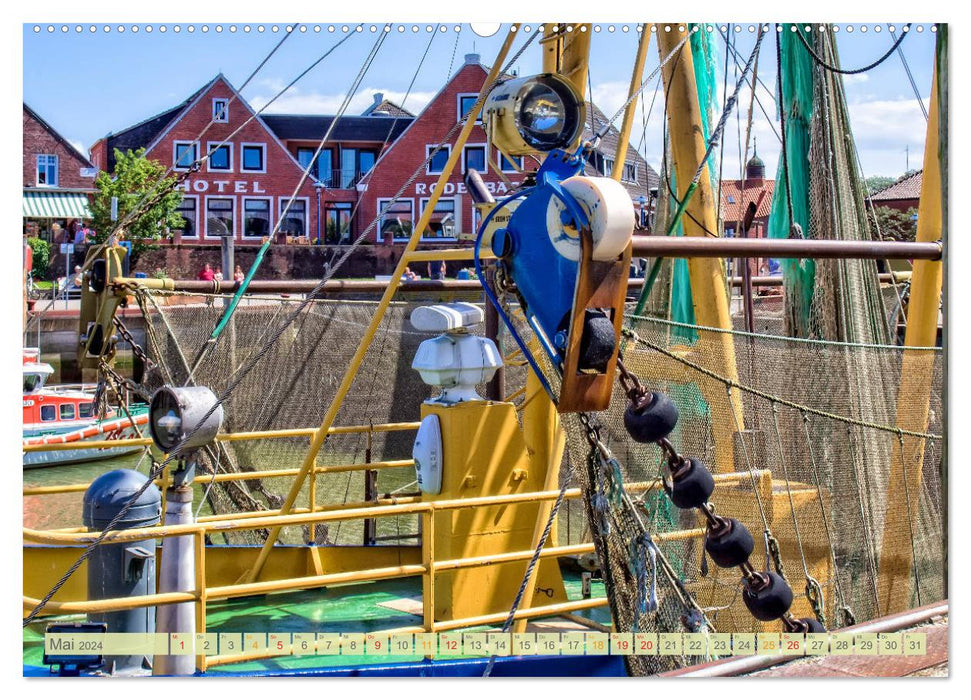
(913, 396)
(708, 289)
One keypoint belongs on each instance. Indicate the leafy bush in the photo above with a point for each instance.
(42, 257)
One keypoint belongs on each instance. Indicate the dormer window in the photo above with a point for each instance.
(220, 110)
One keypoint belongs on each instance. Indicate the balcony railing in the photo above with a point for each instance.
(340, 179)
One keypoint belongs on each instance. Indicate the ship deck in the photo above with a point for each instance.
(352, 608)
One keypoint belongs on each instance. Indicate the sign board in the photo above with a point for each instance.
(67, 248)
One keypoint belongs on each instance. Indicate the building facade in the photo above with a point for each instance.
(58, 180)
(737, 197)
(252, 181)
(903, 195)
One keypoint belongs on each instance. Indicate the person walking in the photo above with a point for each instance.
(436, 269)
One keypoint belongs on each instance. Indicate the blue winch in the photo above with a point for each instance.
(566, 247)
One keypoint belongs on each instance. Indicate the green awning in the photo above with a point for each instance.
(56, 205)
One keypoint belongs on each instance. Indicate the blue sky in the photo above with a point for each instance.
(90, 83)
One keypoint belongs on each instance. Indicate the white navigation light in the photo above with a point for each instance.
(181, 419)
(534, 114)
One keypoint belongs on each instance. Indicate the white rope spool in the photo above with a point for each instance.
(610, 210)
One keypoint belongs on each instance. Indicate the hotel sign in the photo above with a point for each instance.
(423, 188)
(223, 186)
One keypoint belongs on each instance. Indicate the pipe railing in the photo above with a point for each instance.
(338, 287)
(698, 247)
(427, 569)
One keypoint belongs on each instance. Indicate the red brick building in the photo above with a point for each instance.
(737, 195)
(903, 195)
(57, 180)
(245, 185)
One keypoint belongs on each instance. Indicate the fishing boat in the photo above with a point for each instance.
(555, 474)
(64, 415)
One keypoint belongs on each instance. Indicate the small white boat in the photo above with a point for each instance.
(66, 415)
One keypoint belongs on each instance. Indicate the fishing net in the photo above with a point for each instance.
(810, 446)
(291, 387)
(809, 470)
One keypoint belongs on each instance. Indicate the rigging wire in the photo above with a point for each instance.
(737, 57)
(910, 76)
(155, 190)
(231, 308)
(246, 368)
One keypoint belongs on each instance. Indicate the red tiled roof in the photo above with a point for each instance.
(732, 206)
(907, 187)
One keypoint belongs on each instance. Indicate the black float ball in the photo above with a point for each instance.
(597, 343)
(812, 625)
(650, 421)
(769, 602)
(691, 485)
(731, 545)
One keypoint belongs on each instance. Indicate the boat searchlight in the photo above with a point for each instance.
(178, 421)
(533, 114)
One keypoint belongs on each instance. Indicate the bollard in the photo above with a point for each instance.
(126, 568)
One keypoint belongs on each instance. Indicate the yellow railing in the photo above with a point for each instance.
(427, 569)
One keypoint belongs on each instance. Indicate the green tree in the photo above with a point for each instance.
(895, 225)
(137, 181)
(876, 183)
(42, 257)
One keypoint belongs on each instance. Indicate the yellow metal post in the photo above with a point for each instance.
(566, 50)
(355, 363)
(623, 143)
(428, 578)
(913, 396)
(708, 288)
(545, 441)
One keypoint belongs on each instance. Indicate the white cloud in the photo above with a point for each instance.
(884, 130)
(854, 78)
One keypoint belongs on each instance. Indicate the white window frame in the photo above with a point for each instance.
(57, 168)
(242, 221)
(175, 153)
(500, 155)
(485, 157)
(205, 228)
(282, 203)
(229, 150)
(458, 106)
(195, 198)
(431, 147)
(225, 117)
(633, 167)
(242, 160)
(609, 166)
(382, 203)
(423, 202)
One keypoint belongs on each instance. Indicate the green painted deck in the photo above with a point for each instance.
(351, 608)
